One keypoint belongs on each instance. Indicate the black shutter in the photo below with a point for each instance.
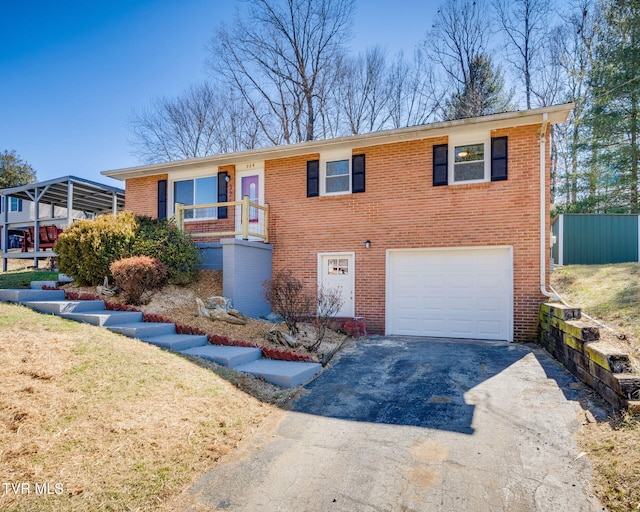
(357, 174)
(498, 158)
(440, 165)
(162, 199)
(313, 178)
(222, 194)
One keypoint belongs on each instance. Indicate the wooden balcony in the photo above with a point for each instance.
(249, 220)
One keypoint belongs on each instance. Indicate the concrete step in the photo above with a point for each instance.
(57, 307)
(177, 342)
(285, 374)
(24, 295)
(142, 330)
(37, 285)
(105, 318)
(225, 356)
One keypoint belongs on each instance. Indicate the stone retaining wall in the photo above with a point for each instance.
(573, 342)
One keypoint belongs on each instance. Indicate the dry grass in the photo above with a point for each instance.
(614, 451)
(117, 424)
(610, 293)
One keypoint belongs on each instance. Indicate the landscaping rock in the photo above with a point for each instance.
(275, 335)
(218, 309)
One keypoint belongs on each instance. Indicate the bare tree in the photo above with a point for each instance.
(458, 36)
(275, 55)
(413, 94)
(359, 91)
(525, 25)
(458, 44)
(576, 41)
(201, 122)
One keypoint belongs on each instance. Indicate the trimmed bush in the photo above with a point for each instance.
(86, 248)
(137, 276)
(161, 239)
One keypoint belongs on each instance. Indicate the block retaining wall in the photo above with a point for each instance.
(573, 342)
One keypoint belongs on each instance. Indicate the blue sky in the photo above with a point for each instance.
(71, 72)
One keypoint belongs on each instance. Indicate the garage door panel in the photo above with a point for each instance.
(490, 304)
(488, 328)
(460, 303)
(451, 293)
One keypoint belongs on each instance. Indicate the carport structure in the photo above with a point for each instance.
(59, 201)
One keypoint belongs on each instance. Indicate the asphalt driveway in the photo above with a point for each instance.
(401, 424)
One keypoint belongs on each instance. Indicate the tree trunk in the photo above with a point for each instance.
(633, 200)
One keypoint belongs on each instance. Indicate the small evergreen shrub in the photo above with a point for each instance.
(137, 276)
(86, 248)
(161, 239)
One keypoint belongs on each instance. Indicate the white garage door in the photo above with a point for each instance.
(451, 293)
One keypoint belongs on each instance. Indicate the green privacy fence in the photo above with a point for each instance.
(592, 239)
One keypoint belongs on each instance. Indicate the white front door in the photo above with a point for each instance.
(336, 270)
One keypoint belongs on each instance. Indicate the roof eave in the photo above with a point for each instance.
(555, 115)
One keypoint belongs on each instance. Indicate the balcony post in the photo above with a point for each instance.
(180, 216)
(245, 218)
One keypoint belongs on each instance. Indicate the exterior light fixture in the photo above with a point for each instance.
(227, 178)
(367, 244)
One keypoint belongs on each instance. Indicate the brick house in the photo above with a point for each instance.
(438, 230)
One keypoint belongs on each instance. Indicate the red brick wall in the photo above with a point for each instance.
(141, 195)
(401, 209)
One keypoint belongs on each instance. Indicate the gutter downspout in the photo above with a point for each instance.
(543, 209)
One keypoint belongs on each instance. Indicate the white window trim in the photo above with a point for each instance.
(333, 157)
(11, 204)
(468, 139)
(194, 175)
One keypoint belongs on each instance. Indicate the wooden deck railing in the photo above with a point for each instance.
(254, 219)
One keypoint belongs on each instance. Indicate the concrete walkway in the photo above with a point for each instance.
(417, 425)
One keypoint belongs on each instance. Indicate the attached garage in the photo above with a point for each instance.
(450, 293)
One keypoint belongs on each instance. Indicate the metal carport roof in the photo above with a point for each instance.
(86, 195)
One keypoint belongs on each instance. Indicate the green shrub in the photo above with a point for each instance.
(138, 275)
(161, 239)
(86, 248)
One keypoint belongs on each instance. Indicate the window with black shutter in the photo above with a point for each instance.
(440, 164)
(222, 194)
(357, 174)
(499, 150)
(162, 199)
(313, 178)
